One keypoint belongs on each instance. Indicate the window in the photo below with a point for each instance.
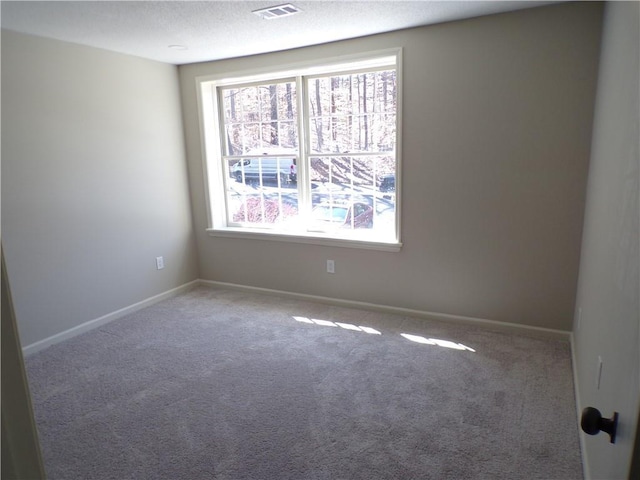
(307, 154)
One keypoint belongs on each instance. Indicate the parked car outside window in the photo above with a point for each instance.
(388, 184)
(332, 216)
(268, 168)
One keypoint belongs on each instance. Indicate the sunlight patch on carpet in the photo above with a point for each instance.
(437, 341)
(346, 326)
(413, 338)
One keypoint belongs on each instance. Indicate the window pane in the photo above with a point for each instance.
(355, 192)
(353, 113)
(259, 116)
(261, 191)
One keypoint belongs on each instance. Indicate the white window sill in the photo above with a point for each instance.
(308, 238)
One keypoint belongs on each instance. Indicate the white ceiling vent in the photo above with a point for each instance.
(278, 11)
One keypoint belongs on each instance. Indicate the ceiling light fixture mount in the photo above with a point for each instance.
(277, 11)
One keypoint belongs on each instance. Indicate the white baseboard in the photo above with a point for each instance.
(98, 322)
(489, 324)
(583, 447)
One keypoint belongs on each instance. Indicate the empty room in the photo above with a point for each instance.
(320, 240)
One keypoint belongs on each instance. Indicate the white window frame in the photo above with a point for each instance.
(210, 133)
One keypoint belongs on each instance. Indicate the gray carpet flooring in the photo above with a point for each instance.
(217, 384)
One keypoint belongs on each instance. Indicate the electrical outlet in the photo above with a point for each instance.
(331, 266)
(598, 372)
(159, 263)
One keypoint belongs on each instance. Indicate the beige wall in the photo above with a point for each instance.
(496, 134)
(609, 282)
(94, 182)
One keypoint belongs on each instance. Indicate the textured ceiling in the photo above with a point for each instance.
(215, 30)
